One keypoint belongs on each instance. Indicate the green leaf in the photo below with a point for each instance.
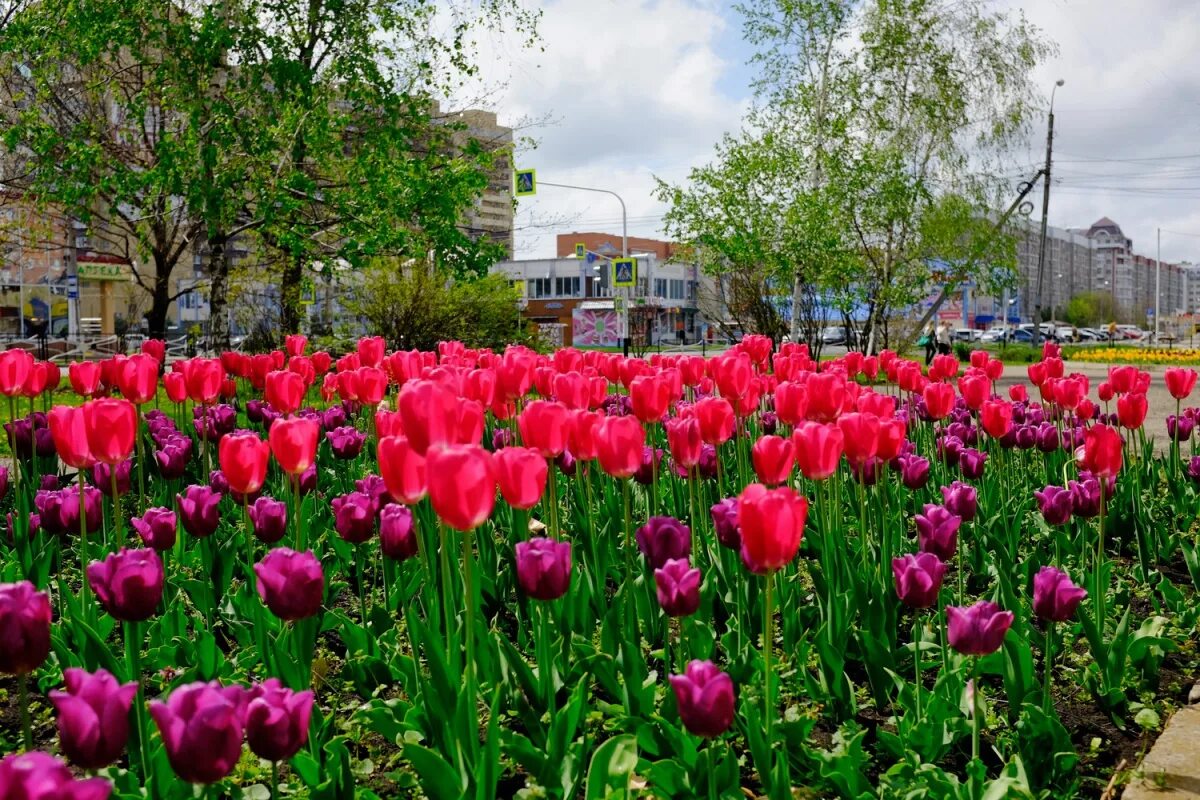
(611, 768)
(436, 776)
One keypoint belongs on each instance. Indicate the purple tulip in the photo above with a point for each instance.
(977, 630)
(173, 459)
(40, 776)
(157, 527)
(49, 508)
(354, 517)
(678, 587)
(1055, 597)
(971, 463)
(24, 628)
(1047, 437)
(960, 499)
(291, 584)
(768, 422)
(960, 431)
(333, 417)
(544, 568)
(1034, 415)
(1180, 428)
(868, 475)
(949, 448)
(918, 578)
(201, 726)
(566, 463)
(102, 477)
(128, 583)
(397, 538)
(502, 438)
(50, 483)
(218, 482)
(914, 471)
(199, 509)
(707, 468)
(93, 509)
(1085, 497)
(1025, 437)
(346, 442)
(269, 415)
(704, 696)
(268, 517)
(937, 531)
(664, 538)
(374, 487)
(1193, 469)
(1055, 503)
(34, 526)
(651, 465)
(277, 720)
(254, 409)
(3, 482)
(93, 717)
(308, 479)
(725, 523)
(20, 437)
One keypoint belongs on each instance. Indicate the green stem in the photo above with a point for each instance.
(141, 458)
(274, 779)
(768, 646)
(23, 700)
(133, 651)
(452, 654)
(1099, 566)
(361, 564)
(469, 587)
(1048, 666)
(118, 527)
(552, 485)
(976, 722)
(83, 550)
(917, 665)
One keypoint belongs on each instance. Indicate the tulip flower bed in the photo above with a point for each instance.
(477, 574)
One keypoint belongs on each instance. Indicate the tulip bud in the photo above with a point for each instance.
(678, 587)
(277, 720)
(24, 627)
(937, 531)
(201, 725)
(93, 717)
(397, 538)
(128, 583)
(268, 517)
(772, 525)
(704, 696)
(977, 630)
(291, 584)
(1055, 597)
(961, 499)
(1055, 503)
(354, 517)
(662, 539)
(157, 527)
(725, 523)
(102, 475)
(544, 568)
(40, 776)
(918, 579)
(199, 509)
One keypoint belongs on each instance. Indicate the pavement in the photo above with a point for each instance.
(1171, 770)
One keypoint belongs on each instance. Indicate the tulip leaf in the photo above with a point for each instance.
(611, 768)
(435, 775)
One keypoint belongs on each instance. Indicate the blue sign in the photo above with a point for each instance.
(72, 287)
(591, 257)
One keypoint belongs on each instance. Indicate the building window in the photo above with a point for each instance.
(566, 287)
(539, 287)
(660, 287)
(677, 289)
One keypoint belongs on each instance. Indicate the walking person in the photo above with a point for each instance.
(942, 336)
(928, 343)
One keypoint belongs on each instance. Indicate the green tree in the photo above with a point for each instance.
(873, 114)
(1090, 308)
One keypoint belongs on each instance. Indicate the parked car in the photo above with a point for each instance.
(1065, 333)
(833, 335)
(967, 335)
(994, 335)
(1091, 335)
(1132, 332)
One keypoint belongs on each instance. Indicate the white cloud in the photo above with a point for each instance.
(631, 89)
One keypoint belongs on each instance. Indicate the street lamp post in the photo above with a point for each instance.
(1037, 314)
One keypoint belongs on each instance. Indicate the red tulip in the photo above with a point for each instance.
(294, 443)
(521, 473)
(544, 426)
(818, 449)
(370, 351)
(285, 391)
(773, 458)
(860, 436)
(772, 525)
(581, 434)
(68, 427)
(791, 402)
(176, 386)
(892, 434)
(715, 416)
(244, 458)
(619, 443)
(939, 400)
(1101, 451)
(138, 380)
(826, 396)
(111, 427)
(15, 365)
(651, 396)
(1180, 381)
(683, 438)
(156, 349)
(295, 344)
(1069, 393)
(1131, 410)
(996, 418)
(84, 377)
(429, 412)
(462, 484)
(974, 388)
(403, 469)
(321, 361)
(204, 377)
(944, 366)
(371, 384)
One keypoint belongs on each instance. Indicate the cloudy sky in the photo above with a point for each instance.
(622, 91)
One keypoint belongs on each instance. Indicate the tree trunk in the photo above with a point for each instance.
(160, 299)
(218, 275)
(290, 294)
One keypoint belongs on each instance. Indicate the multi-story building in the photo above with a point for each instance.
(492, 215)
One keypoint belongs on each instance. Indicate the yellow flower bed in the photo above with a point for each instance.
(1134, 355)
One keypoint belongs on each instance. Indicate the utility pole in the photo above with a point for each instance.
(1157, 285)
(1037, 312)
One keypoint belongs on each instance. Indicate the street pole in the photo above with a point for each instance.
(1037, 312)
(1158, 285)
(624, 246)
